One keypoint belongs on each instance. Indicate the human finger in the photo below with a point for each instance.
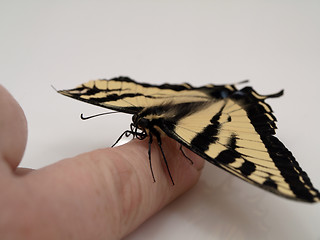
(109, 192)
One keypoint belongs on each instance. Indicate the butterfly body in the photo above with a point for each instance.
(232, 129)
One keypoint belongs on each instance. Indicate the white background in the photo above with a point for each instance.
(275, 44)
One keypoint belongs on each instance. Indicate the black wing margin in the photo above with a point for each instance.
(283, 159)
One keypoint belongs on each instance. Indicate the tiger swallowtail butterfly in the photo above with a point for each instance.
(230, 128)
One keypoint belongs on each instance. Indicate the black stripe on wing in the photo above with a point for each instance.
(131, 109)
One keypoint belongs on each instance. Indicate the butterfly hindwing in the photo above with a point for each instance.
(237, 136)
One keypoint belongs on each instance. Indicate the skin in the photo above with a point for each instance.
(103, 194)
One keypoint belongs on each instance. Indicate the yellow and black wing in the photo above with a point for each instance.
(236, 134)
(125, 95)
(233, 129)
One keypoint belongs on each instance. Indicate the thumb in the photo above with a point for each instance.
(13, 129)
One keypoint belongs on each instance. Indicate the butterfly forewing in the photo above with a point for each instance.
(126, 95)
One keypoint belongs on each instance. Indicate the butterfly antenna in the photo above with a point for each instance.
(54, 88)
(242, 82)
(96, 115)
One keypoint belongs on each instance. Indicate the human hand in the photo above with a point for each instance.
(103, 194)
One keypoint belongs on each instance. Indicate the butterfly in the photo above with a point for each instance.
(230, 128)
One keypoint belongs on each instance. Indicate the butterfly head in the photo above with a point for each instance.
(140, 122)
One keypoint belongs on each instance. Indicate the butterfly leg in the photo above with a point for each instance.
(134, 132)
(163, 155)
(183, 153)
(126, 133)
(149, 154)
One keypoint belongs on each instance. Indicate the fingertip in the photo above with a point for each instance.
(184, 164)
(156, 195)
